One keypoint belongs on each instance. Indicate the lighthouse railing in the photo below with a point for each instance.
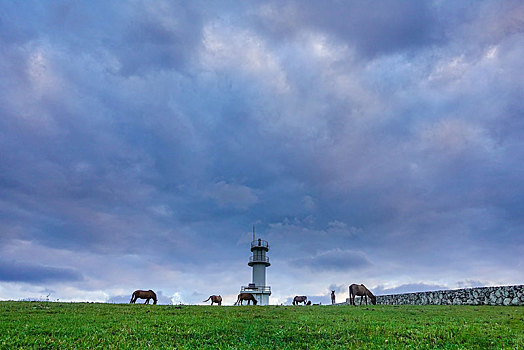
(259, 259)
(256, 289)
(259, 243)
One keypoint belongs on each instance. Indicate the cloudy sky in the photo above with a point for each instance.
(379, 143)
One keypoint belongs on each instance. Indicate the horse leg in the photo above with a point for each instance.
(147, 301)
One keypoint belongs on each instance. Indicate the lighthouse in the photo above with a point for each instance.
(258, 261)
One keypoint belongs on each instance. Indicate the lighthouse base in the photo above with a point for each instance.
(261, 293)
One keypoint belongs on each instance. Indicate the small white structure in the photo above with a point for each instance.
(258, 261)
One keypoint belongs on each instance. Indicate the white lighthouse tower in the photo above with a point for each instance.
(258, 261)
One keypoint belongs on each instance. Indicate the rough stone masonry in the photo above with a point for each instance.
(503, 295)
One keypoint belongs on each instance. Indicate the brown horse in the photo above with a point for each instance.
(143, 294)
(299, 299)
(214, 299)
(246, 296)
(361, 291)
(332, 297)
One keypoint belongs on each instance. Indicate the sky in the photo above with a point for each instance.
(368, 142)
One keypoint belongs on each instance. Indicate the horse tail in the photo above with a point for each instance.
(207, 299)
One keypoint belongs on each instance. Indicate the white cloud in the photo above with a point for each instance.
(231, 49)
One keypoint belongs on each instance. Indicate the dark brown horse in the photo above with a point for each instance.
(143, 294)
(214, 299)
(299, 299)
(361, 291)
(246, 296)
(332, 297)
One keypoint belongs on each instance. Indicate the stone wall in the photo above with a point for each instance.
(505, 295)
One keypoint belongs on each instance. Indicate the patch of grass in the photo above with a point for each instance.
(81, 325)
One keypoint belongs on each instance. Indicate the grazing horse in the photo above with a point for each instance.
(246, 296)
(299, 299)
(361, 291)
(214, 299)
(143, 294)
(332, 297)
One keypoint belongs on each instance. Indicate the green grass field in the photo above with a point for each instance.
(82, 325)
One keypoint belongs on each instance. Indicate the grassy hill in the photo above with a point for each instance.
(123, 326)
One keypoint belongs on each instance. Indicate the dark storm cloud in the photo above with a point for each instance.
(385, 137)
(11, 271)
(379, 28)
(161, 38)
(336, 259)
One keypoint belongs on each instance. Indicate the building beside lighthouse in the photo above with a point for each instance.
(258, 261)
